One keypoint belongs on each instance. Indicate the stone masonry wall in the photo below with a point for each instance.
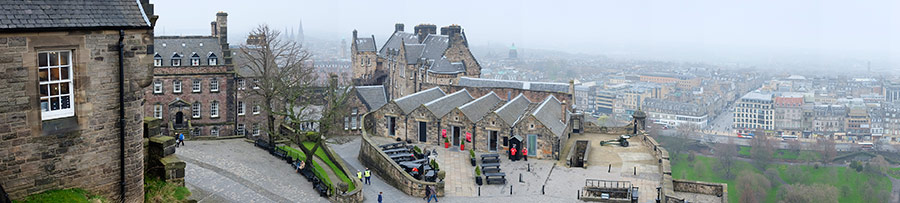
(483, 128)
(412, 120)
(545, 139)
(381, 164)
(81, 151)
(455, 119)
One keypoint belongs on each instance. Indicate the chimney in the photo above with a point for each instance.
(354, 36)
(213, 30)
(398, 27)
(572, 91)
(444, 30)
(454, 33)
(423, 30)
(222, 34)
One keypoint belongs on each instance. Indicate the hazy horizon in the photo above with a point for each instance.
(688, 30)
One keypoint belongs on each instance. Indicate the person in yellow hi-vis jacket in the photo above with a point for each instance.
(368, 176)
(359, 175)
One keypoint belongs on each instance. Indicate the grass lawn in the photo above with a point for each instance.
(785, 154)
(68, 195)
(895, 172)
(295, 153)
(156, 190)
(848, 181)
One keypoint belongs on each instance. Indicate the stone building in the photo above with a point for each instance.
(73, 79)
(789, 113)
(500, 122)
(672, 113)
(411, 62)
(754, 111)
(398, 112)
(542, 130)
(193, 84)
(363, 99)
(486, 135)
(446, 109)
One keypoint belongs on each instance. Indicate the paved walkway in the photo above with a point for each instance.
(236, 171)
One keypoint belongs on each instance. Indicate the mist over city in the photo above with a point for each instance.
(454, 101)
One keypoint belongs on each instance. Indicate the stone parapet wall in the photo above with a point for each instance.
(706, 188)
(387, 169)
(355, 195)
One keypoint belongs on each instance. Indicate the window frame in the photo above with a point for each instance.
(241, 84)
(176, 86)
(241, 129)
(195, 86)
(214, 131)
(256, 130)
(214, 109)
(157, 60)
(212, 60)
(214, 85)
(157, 87)
(240, 108)
(255, 109)
(70, 81)
(157, 111)
(196, 109)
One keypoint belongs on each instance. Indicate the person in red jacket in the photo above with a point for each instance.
(525, 153)
(512, 153)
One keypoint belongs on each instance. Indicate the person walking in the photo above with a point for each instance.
(433, 195)
(525, 153)
(180, 139)
(368, 177)
(379, 196)
(359, 175)
(427, 192)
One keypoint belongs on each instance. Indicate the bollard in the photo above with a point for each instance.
(479, 191)
(579, 194)
(520, 178)
(510, 189)
(542, 189)
(609, 169)
(635, 170)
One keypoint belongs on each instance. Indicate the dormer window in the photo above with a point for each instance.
(157, 60)
(195, 60)
(212, 59)
(176, 59)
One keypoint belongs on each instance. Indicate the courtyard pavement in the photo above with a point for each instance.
(237, 171)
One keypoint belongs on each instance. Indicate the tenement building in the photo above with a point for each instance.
(412, 62)
(192, 89)
(72, 83)
(672, 113)
(754, 111)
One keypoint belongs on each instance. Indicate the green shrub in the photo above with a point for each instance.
(477, 171)
(441, 175)
(156, 190)
(472, 153)
(434, 164)
(416, 148)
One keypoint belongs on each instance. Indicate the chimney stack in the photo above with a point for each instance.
(398, 27)
(354, 36)
(454, 33)
(222, 34)
(214, 31)
(423, 30)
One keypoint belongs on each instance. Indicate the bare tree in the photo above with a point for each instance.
(795, 145)
(725, 153)
(753, 186)
(799, 193)
(332, 114)
(826, 148)
(762, 148)
(279, 70)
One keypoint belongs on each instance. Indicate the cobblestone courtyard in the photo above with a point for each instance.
(236, 171)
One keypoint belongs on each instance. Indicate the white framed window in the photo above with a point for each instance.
(240, 129)
(157, 60)
(256, 84)
(176, 86)
(157, 111)
(353, 122)
(195, 87)
(240, 108)
(195, 59)
(176, 59)
(195, 132)
(195, 110)
(214, 85)
(256, 129)
(158, 87)
(212, 59)
(241, 84)
(255, 109)
(55, 83)
(214, 109)
(346, 123)
(214, 131)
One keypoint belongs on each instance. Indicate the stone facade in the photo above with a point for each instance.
(547, 143)
(510, 93)
(390, 172)
(456, 121)
(81, 150)
(413, 122)
(491, 123)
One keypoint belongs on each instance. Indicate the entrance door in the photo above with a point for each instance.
(532, 144)
(456, 139)
(179, 118)
(392, 126)
(492, 141)
(422, 130)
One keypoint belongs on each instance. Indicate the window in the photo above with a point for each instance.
(240, 109)
(241, 84)
(256, 129)
(346, 123)
(157, 60)
(157, 87)
(353, 118)
(214, 109)
(240, 129)
(212, 59)
(255, 109)
(195, 110)
(176, 86)
(195, 60)
(214, 85)
(256, 84)
(55, 75)
(195, 132)
(196, 86)
(157, 111)
(214, 131)
(176, 60)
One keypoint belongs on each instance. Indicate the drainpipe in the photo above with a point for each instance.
(122, 113)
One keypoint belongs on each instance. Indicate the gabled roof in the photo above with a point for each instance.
(513, 110)
(524, 85)
(435, 46)
(61, 14)
(183, 45)
(441, 106)
(394, 41)
(478, 108)
(444, 66)
(365, 44)
(550, 113)
(413, 101)
(372, 96)
(413, 53)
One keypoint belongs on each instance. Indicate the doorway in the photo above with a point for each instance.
(492, 141)
(532, 144)
(392, 126)
(456, 139)
(179, 118)
(422, 131)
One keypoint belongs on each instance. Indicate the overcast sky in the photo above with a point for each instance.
(869, 29)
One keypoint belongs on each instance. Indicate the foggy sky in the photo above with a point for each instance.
(868, 30)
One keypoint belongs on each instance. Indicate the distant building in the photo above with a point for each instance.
(685, 82)
(675, 113)
(513, 53)
(789, 113)
(754, 111)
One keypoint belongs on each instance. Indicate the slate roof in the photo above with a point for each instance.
(550, 113)
(441, 106)
(513, 110)
(413, 53)
(394, 41)
(435, 46)
(59, 14)
(413, 101)
(372, 96)
(185, 46)
(365, 44)
(525, 85)
(444, 66)
(478, 108)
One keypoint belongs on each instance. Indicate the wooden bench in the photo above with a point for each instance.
(495, 178)
(491, 170)
(489, 165)
(492, 160)
(484, 156)
(396, 151)
(391, 146)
